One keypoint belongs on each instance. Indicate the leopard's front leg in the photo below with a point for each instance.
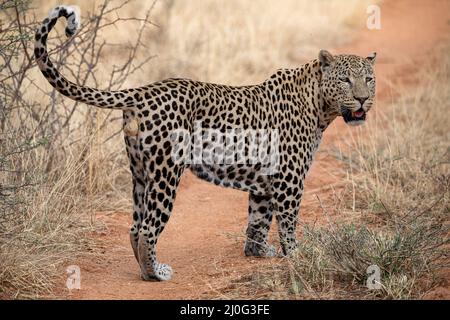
(287, 227)
(259, 221)
(286, 207)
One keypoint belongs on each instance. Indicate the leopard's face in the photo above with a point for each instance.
(348, 85)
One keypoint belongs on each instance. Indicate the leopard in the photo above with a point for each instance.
(297, 105)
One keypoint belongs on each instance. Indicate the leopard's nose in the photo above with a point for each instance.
(361, 100)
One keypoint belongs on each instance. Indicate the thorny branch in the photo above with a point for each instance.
(32, 114)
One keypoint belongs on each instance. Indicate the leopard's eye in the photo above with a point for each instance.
(346, 80)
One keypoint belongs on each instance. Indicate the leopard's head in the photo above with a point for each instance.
(348, 85)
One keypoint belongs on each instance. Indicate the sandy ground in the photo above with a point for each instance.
(203, 241)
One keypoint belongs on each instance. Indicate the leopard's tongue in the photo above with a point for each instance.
(358, 114)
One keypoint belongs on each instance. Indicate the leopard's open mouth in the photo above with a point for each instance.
(354, 117)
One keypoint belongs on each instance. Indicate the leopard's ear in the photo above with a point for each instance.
(326, 59)
(372, 58)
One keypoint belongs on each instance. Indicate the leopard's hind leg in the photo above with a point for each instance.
(137, 172)
(162, 179)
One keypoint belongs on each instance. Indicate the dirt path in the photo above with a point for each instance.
(202, 240)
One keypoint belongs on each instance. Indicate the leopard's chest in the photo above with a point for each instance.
(314, 146)
(299, 149)
(316, 141)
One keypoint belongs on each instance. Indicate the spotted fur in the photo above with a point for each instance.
(299, 103)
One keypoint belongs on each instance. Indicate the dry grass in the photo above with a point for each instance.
(243, 42)
(48, 230)
(50, 177)
(397, 196)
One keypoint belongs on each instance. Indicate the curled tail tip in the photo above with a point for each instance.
(73, 20)
(72, 14)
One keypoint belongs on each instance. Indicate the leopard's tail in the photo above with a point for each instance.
(99, 98)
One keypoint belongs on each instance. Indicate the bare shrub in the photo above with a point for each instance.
(52, 170)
